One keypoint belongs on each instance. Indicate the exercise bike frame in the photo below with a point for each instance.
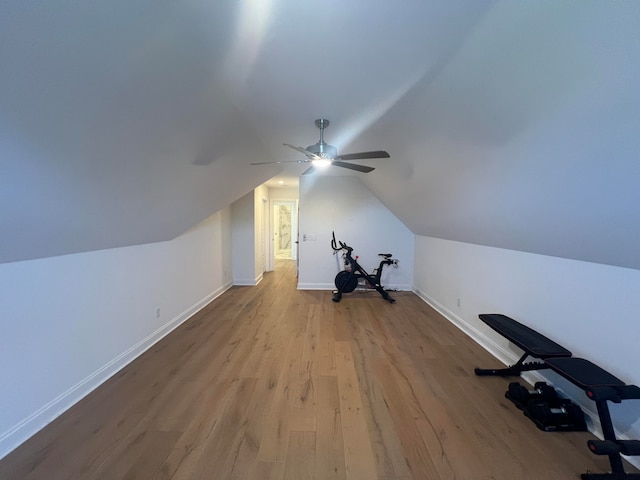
(348, 279)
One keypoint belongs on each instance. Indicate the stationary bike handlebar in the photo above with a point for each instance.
(343, 246)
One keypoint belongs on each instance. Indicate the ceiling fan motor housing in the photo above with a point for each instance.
(323, 150)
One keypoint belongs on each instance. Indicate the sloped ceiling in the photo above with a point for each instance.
(528, 138)
(511, 124)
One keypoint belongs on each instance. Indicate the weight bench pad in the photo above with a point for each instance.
(532, 342)
(583, 373)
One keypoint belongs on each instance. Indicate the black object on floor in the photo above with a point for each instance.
(521, 395)
(533, 343)
(546, 409)
(348, 279)
(561, 415)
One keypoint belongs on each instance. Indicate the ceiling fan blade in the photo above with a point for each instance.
(309, 171)
(352, 166)
(281, 161)
(363, 155)
(305, 152)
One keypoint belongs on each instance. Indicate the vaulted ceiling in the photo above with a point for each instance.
(509, 124)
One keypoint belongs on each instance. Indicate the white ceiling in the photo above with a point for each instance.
(510, 124)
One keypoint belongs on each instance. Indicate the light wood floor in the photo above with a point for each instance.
(269, 382)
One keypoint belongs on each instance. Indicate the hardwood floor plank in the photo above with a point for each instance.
(359, 458)
(327, 337)
(329, 441)
(220, 453)
(418, 460)
(301, 456)
(275, 440)
(267, 471)
(150, 461)
(389, 455)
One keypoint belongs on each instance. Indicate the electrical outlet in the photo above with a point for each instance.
(157, 312)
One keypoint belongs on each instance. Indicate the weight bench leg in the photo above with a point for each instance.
(615, 460)
(609, 434)
(513, 370)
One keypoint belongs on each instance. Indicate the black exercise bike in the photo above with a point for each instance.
(354, 275)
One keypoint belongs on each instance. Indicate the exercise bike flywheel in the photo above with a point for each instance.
(346, 282)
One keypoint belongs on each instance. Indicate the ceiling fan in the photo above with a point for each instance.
(322, 154)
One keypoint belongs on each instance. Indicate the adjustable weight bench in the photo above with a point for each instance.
(533, 343)
(600, 386)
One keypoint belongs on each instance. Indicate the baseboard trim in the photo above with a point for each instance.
(248, 282)
(316, 286)
(35, 422)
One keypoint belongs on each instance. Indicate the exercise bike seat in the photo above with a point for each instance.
(385, 255)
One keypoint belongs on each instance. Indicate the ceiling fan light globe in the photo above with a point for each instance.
(321, 163)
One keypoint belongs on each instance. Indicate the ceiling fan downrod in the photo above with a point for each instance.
(322, 123)
(321, 148)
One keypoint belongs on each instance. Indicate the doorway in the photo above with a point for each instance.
(285, 230)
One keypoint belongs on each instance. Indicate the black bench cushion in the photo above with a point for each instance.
(532, 342)
(583, 373)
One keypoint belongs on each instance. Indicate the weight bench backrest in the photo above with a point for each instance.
(532, 342)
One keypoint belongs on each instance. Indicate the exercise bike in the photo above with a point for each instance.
(353, 274)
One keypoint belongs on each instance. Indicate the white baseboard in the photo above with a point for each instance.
(316, 286)
(531, 377)
(30, 425)
(248, 282)
(399, 287)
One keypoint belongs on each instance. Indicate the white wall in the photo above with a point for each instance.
(261, 229)
(283, 193)
(591, 309)
(248, 237)
(346, 206)
(68, 323)
(242, 238)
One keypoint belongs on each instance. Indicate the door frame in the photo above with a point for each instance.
(293, 202)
